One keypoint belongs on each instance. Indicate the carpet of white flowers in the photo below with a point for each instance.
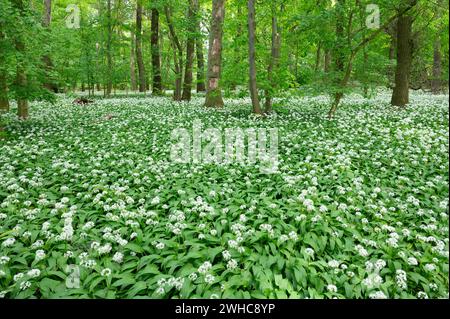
(358, 209)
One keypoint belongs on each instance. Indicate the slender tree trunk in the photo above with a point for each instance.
(21, 76)
(437, 67)
(140, 60)
(213, 90)
(4, 101)
(190, 49)
(133, 64)
(47, 17)
(400, 95)
(338, 56)
(327, 61)
(108, 50)
(156, 59)
(200, 66)
(178, 55)
(318, 57)
(251, 57)
(274, 61)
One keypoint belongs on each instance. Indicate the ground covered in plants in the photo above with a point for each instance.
(92, 206)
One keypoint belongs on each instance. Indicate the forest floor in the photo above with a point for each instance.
(91, 204)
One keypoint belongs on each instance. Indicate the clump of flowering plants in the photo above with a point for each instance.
(92, 207)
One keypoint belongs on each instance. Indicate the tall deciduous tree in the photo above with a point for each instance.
(156, 57)
(4, 101)
(21, 76)
(140, 59)
(177, 54)
(400, 94)
(190, 49)
(46, 20)
(274, 59)
(252, 56)
(213, 90)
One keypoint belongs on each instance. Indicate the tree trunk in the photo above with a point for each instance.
(133, 64)
(140, 60)
(213, 90)
(251, 57)
(21, 76)
(4, 101)
(274, 61)
(437, 67)
(156, 59)
(108, 50)
(47, 17)
(200, 66)
(178, 55)
(318, 57)
(327, 61)
(190, 49)
(400, 95)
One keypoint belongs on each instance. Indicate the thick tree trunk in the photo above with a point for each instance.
(156, 59)
(251, 57)
(274, 61)
(200, 66)
(178, 55)
(108, 49)
(437, 68)
(213, 90)
(4, 101)
(133, 64)
(140, 60)
(400, 95)
(190, 49)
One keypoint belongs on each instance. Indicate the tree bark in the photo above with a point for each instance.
(178, 55)
(4, 101)
(327, 61)
(190, 49)
(400, 95)
(200, 66)
(318, 56)
(437, 67)
(108, 50)
(140, 60)
(48, 64)
(156, 59)
(213, 90)
(251, 57)
(21, 76)
(274, 61)
(133, 64)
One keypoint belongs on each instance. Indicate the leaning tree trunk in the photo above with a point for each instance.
(213, 90)
(190, 49)
(274, 61)
(178, 55)
(4, 101)
(140, 60)
(400, 95)
(318, 56)
(251, 57)
(437, 68)
(156, 59)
